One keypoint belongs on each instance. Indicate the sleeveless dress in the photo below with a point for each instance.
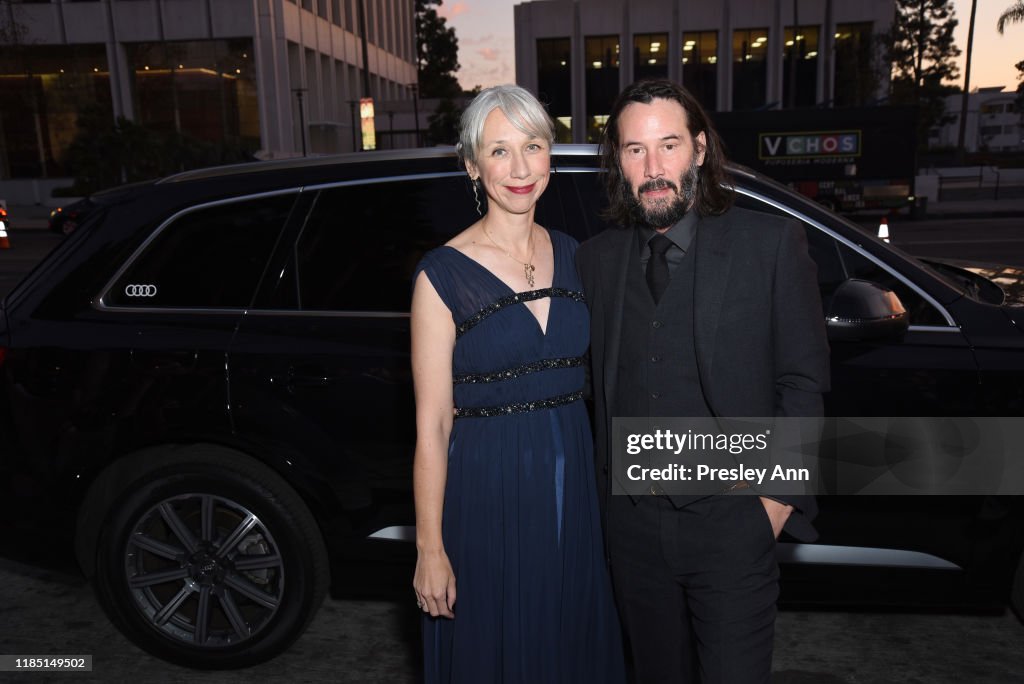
(520, 523)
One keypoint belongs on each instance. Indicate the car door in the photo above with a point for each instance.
(883, 548)
(320, 374)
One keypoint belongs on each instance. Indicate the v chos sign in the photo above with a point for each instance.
(809, 145)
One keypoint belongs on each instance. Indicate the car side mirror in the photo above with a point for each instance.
(863, 310)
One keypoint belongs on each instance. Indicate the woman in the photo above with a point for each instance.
(506, 509)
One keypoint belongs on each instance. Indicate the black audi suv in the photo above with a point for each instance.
(206, 401)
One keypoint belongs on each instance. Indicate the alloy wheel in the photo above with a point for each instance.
(204, 570)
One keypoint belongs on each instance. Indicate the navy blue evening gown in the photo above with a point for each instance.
(520, 522)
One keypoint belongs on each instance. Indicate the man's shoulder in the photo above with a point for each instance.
(751, 223)
(608, 239)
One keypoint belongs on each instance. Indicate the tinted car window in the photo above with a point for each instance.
(210, 258)
(361, 243)
(836, 262)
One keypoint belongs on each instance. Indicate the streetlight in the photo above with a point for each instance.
(302, 118)
(414, 87)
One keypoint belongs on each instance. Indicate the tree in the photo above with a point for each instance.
(437, 52)
(960, 151)
(920, 47)
(106, 153)
(1013, 14)
(443, 126)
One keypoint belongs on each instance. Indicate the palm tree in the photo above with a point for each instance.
(1013, 14)
(960, 151)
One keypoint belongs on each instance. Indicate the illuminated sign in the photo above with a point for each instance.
(366, 123)
(809, 145)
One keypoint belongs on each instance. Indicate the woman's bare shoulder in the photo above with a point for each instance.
(465, 241)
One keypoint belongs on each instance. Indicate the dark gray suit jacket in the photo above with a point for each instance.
(758, 327)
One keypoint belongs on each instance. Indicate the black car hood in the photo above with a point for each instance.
(1009, 279)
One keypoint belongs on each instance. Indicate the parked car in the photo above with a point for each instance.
(206, 400)
(67, 218)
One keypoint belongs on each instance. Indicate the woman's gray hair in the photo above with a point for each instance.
(518, 104)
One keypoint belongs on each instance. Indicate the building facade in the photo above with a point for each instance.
(994, 122)
(734, 55)
(276, 78)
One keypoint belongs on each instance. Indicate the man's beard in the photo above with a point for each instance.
(665, 212)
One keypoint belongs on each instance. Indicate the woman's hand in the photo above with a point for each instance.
(434, 583)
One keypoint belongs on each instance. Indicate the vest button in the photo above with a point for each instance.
(655, 359)
(654, 395)
(656, 324)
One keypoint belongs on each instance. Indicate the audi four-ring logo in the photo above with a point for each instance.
(140, 290)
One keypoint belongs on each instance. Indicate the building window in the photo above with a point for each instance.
(750, 68)
(855, 78)
(602, 81)
(202, 89)
(650, 55)
(700, 67)
(800, 67)
(46, 93)
(554, 83)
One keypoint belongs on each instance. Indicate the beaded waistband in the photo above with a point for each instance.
(521, 407)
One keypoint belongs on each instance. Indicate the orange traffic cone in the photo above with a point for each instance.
(883, 230)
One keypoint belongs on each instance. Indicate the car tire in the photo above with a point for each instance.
(209, 559)
(1017, 592)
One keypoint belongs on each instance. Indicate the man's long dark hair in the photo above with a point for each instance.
(714, 193)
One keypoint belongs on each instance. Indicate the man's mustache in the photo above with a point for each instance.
(658, 184)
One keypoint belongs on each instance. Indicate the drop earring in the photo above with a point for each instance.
(476, 196)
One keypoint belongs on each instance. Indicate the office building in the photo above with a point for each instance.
(276, 78)
(735, 55)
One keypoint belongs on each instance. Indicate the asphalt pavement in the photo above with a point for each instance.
(377, 642)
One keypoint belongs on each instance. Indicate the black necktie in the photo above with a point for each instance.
(657, 266)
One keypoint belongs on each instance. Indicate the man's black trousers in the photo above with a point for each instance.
(696, 587)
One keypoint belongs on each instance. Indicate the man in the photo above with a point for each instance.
(699, 309)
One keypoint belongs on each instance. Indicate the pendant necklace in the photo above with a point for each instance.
(527, 265)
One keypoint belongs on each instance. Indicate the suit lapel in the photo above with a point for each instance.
(614, 264)
(712, 262)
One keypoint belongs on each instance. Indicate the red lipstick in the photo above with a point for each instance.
(522, 190)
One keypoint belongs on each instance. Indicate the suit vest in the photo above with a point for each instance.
(657, 360)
